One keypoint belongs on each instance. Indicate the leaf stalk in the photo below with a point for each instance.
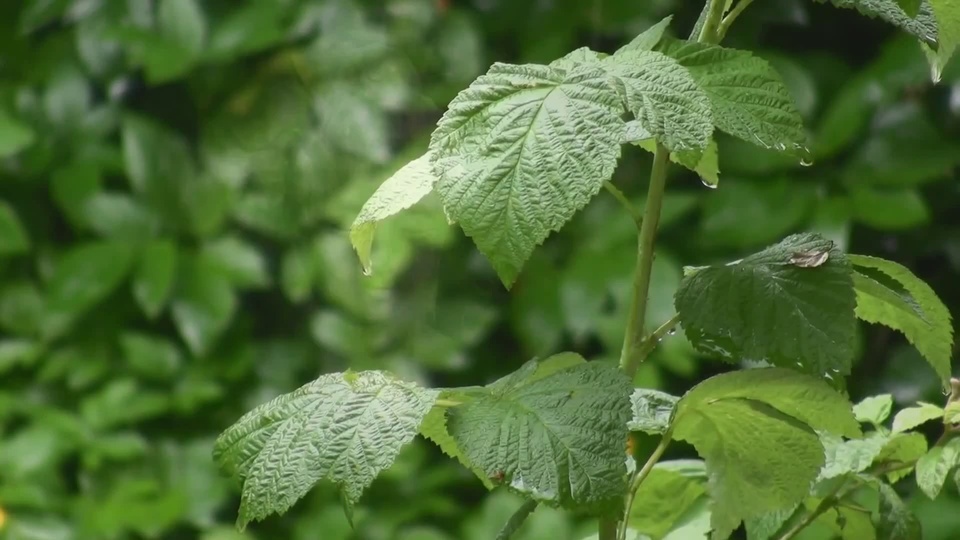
(516, 520)
(741, 6)
(639, 478)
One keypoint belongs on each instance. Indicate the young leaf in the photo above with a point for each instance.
(902, 449)
(554, 430)
(342, 427)
(739, 423)
(663, 97)
(649, 38)
(874, 409)
(652, 410)
(747, 96)
(401, 191)
(890, 294)
(767, 308)
(850, 457)
(896, 521)
(520, 151)
(912, 417)
(935, 465)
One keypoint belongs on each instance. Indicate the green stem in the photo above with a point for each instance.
(710, 31)
(516, 520)
(608, 529)
(650, 342)
(624, 201)
(640, 477)
(741, 6)
(447, 403)
(629, 357)
(830, 500)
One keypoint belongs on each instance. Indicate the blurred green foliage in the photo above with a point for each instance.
(176, 180)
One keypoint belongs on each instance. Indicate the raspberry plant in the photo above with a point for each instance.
(516, 155)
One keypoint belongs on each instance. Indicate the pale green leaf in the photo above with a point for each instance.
(808, 399)
(649, 38)
(890, 294)
(652, 410)
(694, 524)
(434, 429)
(748, 97)
(663, 498)
(874, 409)
(155, 276)
(663, 97)
(520, 151)
(951, 413)
(770, 307)
(554, 430)
(342, 427)
(935, 465)
(850, 457)
(579, 57)
(947, 15)
(902, 449)
(13, 237)
(297, 270)
(912, 417)
(705, 163)
(765, 526)
(896, 521)
(401, 191)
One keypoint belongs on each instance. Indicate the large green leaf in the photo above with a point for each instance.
(935, 465)
(947, 15)
(401, 191)
(874, 409)
(342, 427)
(662, 499)
(748, 97)
(520, 151)
(890, 294)
(775, 306)
(555, 430)
(741, 422)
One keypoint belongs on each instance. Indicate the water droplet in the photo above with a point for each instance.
(946, 390)
(828, 376)
(708, 183)
(936, 71)
(367, 271)
(806, 162)
(672, 332)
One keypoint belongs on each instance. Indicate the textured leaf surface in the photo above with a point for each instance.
(554, 430)
(896, 521)
(401, 191)
(663, 97)
(434, 428)
(912, 417)
(649, 38)
(933, 468)
(874, 409)
(850, 457)
(748, 97)
(520, 151)
(890, 294)
(766, 308)
(342, 427)
(652, 410)
(923, 26)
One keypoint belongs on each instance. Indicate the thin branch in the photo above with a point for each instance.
(732, 16)
(624, 201)
(830, 500)
(516, 520)
(640, 477)
(650, 342)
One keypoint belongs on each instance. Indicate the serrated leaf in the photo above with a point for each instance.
(923, 26)
(935, 465)
(155, 276)
(652, 410)
(912, 417)
(748, 97)
(342, 427)
(705, 163)
(765, 526)
(401, 191)
(663, 97)
(743, 442)
(579, 57)
(13, 237)
(767, 308)
(649, 38)
(896, 521)
(520, 151)
(874, 409)
(554, 430)
(434, 429)
(890, 294)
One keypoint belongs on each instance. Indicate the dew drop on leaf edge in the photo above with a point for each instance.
(708, 183)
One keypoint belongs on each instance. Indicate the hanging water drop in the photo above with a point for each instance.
(708, 183)
(672, 332)
(806, 162)
(367, 271)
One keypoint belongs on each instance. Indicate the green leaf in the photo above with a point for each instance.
(149, 356)
(520, 151)
(342, 427)
(401, 191)
(14, 135)
(155, 276)
(85, 275)
(947, 15)
(951, 413)
(896, 521)
(910, 7)
(765, 526)
(434, 429)
(935, 465)
(923, 26)
(649, 38)
(889, 209)
(874, 409)
(748, 97)
(704, 164)
(652, 410)
(555, 430)
(203, 305)
(13, 238)
(912, 417)
(850, 457)
(663, 97)
(902, 449)
(297, 272)
(766, 307)
(240, 262)
(183, 22)
(890, 294)
(662, 500)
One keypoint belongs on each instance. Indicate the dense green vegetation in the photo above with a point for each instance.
(176, 185)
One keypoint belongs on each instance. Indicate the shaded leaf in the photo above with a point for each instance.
(202, 306)
(896, 521)
(13, 237)
(935, 465)
(155, 275)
